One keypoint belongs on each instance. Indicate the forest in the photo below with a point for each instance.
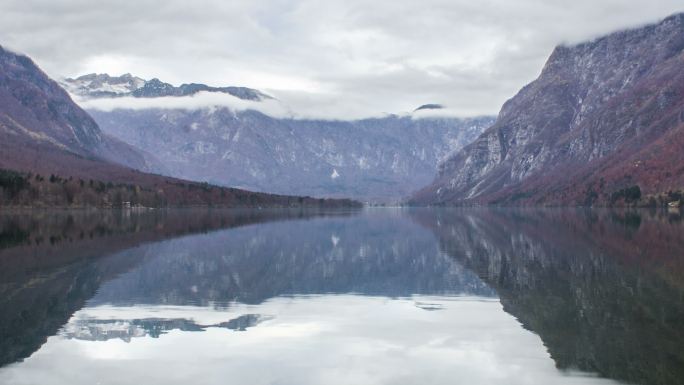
(18, 189)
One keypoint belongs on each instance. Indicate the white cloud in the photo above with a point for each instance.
(345, 55)
(306, 106)
(198, 101)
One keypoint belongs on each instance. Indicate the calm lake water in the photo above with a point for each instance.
(379, 296)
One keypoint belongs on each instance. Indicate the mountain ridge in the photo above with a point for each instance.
(104, 85)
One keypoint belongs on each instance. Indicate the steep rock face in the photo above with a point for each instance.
(381, 159)
(34, 105)
(35, 110)
(603, 115)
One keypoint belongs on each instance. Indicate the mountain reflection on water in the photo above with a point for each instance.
(373, 297)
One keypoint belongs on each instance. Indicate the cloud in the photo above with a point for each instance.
(307, 107)
(200, 100)
(380, 56)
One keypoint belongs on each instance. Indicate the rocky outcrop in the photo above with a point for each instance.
(603, 115)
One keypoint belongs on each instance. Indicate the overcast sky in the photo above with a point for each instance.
(344, 57)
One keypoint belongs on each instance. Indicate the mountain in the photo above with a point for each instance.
(56, 154)
(380, 159)
(104, 85)
(35, 109)
(98, 85)
(602, 124)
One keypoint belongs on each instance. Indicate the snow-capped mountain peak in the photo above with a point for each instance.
(106, 86)
(103, 85)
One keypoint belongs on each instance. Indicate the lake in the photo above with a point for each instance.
(374, 296)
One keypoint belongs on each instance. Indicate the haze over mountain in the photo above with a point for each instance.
(379, 159)
(603, 118)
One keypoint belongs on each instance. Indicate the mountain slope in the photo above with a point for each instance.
(603, 116)
(37, 109)
(381, 159)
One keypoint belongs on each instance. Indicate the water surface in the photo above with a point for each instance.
(381, 296)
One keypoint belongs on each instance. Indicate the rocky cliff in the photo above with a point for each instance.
(603, 116)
